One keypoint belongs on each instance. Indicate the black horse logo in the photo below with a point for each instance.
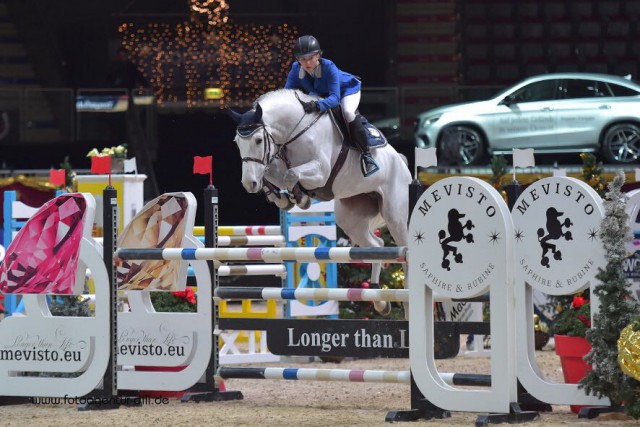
(554, 232)
(456, 234)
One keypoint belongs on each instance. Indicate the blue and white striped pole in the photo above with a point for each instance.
(338, 254)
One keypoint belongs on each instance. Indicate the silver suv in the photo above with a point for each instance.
(552, 113)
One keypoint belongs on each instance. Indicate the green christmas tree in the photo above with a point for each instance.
(592, 173)
(498, 171)
(358, 275)
(617, 308)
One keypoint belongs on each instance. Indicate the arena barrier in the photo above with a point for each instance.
(485, 265)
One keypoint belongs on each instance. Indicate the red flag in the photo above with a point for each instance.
(101, 164)
(57, 177)
(202, 165)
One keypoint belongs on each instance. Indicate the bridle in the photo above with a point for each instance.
(249, 129)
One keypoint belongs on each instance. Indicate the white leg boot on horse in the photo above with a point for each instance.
(359, 137)
(273, 195)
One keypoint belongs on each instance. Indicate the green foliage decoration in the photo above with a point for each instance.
(617, 309)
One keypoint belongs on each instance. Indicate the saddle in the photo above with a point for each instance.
(375, 138)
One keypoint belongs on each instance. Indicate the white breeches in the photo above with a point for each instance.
(349, 106)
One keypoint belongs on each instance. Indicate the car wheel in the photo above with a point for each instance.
(462, 145)
(621, 143)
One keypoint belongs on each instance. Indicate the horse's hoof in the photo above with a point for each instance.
(305, 203)
(299, 196)
(284, 204)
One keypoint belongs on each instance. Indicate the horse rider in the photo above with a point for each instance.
(319, 76)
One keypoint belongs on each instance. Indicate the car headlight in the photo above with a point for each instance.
(430, 120)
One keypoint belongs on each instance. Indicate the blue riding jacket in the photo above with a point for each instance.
(332, 85)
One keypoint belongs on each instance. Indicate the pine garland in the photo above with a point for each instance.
(617, 309)
(70, 305)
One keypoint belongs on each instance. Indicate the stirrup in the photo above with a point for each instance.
(368, 165)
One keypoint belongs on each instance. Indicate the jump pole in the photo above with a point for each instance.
(242, 230)
(346, 375)
(339, 254)
(353, 294)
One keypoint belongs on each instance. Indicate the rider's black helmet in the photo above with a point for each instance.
(306, 46)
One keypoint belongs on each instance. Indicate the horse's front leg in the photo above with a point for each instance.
(275, 171)
(308, 176)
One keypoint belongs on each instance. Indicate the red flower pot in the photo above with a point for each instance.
(571, 351)
(161, 393)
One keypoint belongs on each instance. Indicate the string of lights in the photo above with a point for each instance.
(210, 61)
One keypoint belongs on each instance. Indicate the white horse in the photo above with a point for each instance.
(282, 146)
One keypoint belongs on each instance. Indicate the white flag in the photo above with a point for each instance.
(425, 157)
(523, 158)
(130, 165)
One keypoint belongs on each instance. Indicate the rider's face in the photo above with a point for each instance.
(310, 62)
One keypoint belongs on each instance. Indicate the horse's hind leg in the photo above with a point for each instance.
(355, 216)
(394, 208)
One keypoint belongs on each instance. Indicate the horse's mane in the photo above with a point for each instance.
(282, 105)
(282, 93)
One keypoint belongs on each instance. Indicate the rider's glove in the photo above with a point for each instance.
(311, 107)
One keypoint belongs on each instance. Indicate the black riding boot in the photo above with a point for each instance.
(359, 137)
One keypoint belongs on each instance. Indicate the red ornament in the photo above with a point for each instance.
(377, 232)
(365, 285)
(578, 302)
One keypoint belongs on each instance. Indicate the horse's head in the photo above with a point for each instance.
(254, 145)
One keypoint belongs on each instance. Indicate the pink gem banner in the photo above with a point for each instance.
(43, 257)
